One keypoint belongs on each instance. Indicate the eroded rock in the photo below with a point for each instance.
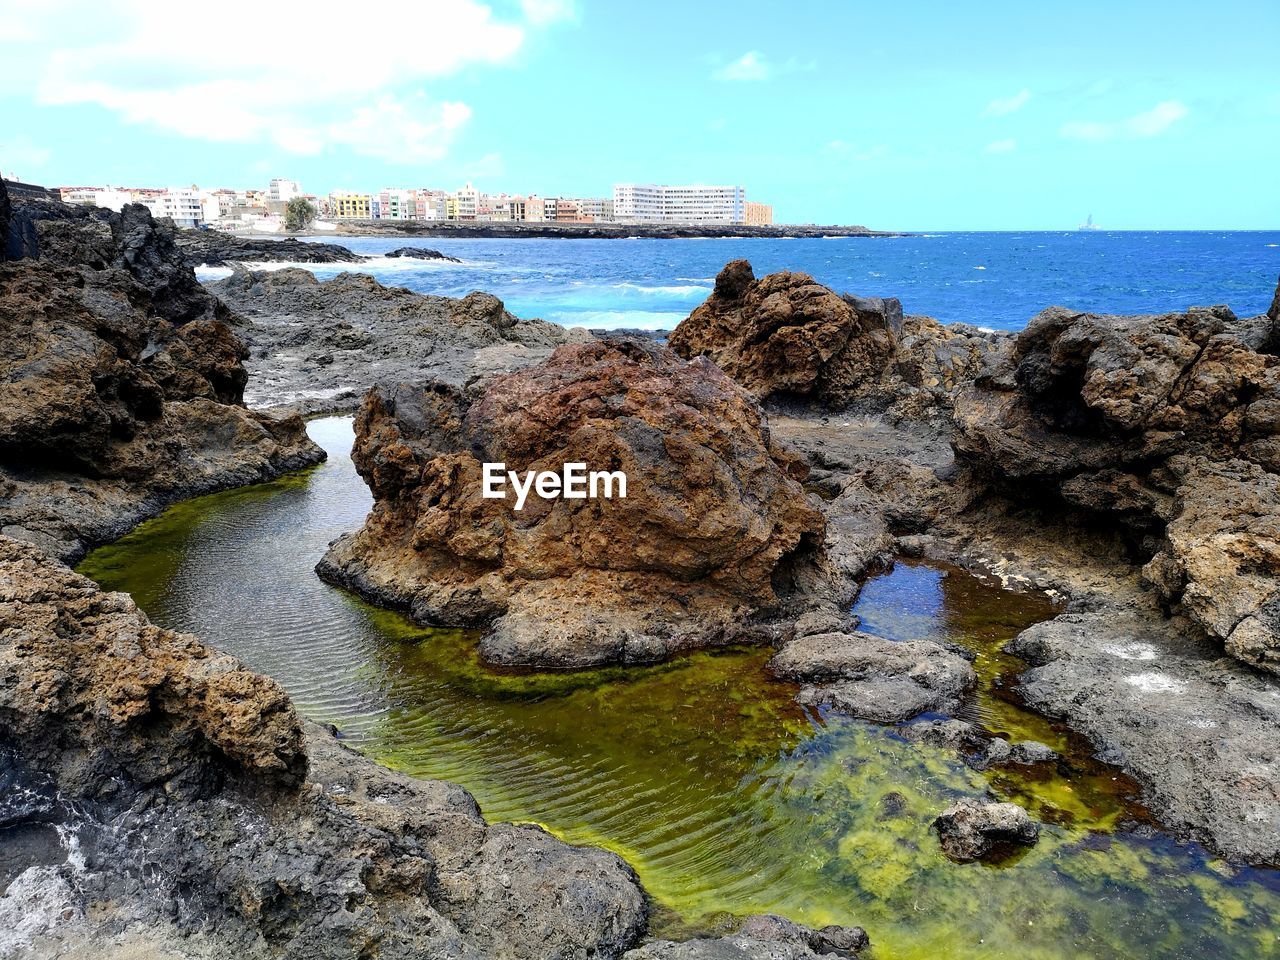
(1168, 425)
(971, 830)
(786, 335)
(762, 937)
(711, 521)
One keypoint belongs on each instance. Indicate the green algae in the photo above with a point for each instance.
(725, 795)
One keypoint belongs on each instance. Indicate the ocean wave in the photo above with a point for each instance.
(374, 265)
(683, 291)
(616, 319)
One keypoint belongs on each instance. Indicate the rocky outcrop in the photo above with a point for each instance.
(319, 346)
(711, 527)
(788, 336)
(195, 802)
(873, 678)
(5, 216)
(120, 383)
(213, 248)
(762, 937)
(971, 830)
(420, 253)
(1166, 425)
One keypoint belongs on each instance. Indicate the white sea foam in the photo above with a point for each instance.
(617, 319)
(684, 290)
(371, 265)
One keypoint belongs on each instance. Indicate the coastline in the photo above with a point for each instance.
(511, 230)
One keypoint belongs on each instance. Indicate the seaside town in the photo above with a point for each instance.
(264, 210)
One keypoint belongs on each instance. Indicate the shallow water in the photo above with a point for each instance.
(725, 796)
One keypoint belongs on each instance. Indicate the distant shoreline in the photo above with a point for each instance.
(507, 230)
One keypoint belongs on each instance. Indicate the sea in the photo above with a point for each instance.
(993, 280)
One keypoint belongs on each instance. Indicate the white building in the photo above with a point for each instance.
(599, 209)
(692, 203)
(109, 198)
(282, 191)
(185, 207)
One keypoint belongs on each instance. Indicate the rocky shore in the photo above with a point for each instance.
(212, 248)
(121, 381)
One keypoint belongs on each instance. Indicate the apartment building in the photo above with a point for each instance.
(186, 208)
(664, 203)
(595, 209)
(351, 206)
(109, 198)
(757, 214)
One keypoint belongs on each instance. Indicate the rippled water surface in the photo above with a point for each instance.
(725, 796)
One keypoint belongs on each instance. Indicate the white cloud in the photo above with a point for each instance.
(1150, 123)
(750, 66)
(1003, 106)
(279, 73)
(1001, 146)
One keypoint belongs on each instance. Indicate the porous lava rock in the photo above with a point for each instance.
(762, 937)
(121, 383)
(1165, 426)
(204, 817)
(213, 248)
(786, 335)
(713, 520)
(971, 830)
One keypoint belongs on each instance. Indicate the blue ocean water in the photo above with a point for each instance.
(997, 280)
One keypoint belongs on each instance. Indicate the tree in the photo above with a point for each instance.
(298, 214)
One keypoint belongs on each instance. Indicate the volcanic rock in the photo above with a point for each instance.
(762, 937)
(203, 811)
(120, 383)
(970, 830)
(712, 524)
(873, 678)
(1167, 425)
(420, 253)
(213, 248)
(319, 346)
(788, 336)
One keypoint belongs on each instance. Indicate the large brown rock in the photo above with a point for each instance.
(788, 336)
(1168, 425)
(712, 520)
(121, 384)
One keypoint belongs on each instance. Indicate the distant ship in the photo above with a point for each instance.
(1088, 224)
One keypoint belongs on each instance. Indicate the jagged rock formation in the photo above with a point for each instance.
(319, 346)
(971, 830)
(1166, 425)
(203, 813)
(213, 248)
(711, 523)
(788, 336)
(120, 382)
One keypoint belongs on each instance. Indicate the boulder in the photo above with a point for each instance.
(788, 336)
(971, 830)
(712, 522)
(872, 678)
(1169, 427)
(420, 253)
(196, 802)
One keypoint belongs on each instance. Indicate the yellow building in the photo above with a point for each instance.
(757, 214)
(351, 206)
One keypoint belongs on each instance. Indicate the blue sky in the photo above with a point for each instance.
(911, 116)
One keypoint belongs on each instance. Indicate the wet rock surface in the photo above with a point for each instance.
(318, 346)
(420, 253)
(1168, 426)
(971, 830)
(786, 335)
(762, 937)
(873, 678)
(202, 816)
(212, 248)
(121, 382)
(712, 527)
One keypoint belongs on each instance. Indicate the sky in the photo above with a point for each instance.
(899, 116)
